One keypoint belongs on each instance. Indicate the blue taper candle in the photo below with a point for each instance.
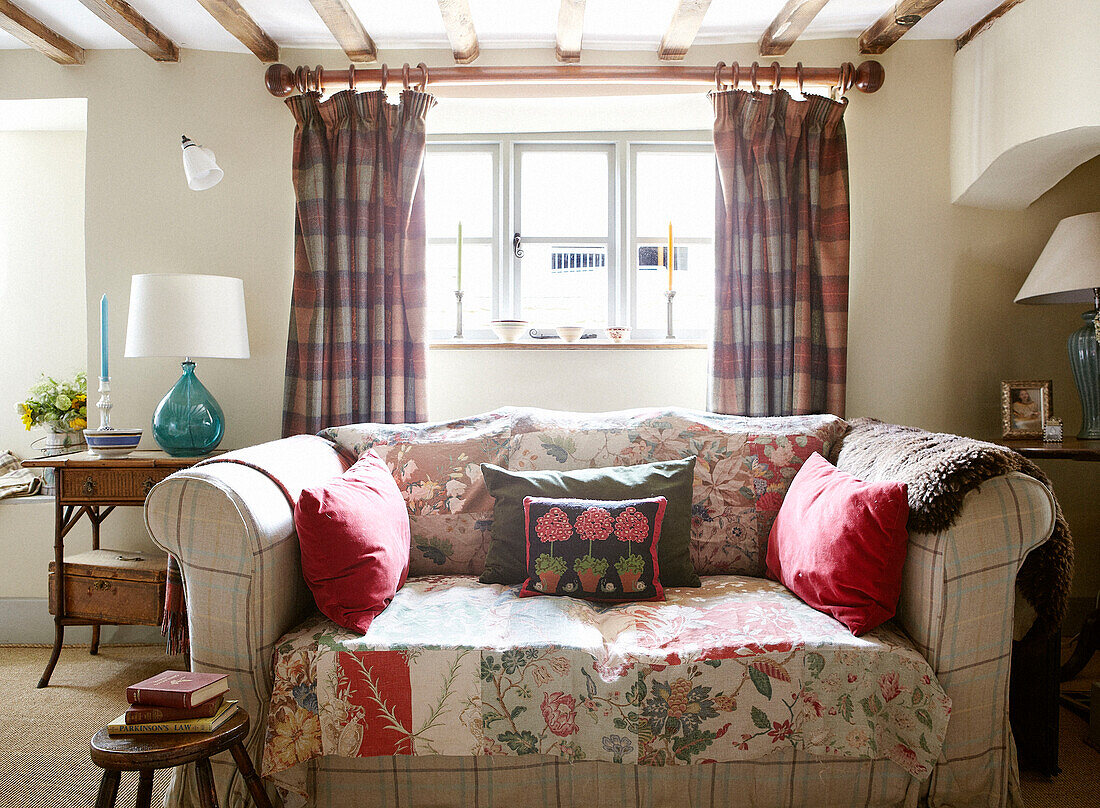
(103, 370)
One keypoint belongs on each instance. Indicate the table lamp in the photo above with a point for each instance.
(1068, 271)
(188, 316)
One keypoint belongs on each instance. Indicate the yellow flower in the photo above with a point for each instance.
(78, 423)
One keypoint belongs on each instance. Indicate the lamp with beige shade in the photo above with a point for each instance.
(1068, 271)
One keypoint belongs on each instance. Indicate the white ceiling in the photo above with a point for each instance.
(608, 24)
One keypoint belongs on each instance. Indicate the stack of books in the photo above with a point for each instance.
(175, 702)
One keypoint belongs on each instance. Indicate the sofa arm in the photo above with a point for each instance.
(957, 601)
(231, 527)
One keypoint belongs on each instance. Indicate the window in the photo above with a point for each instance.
(592, 214)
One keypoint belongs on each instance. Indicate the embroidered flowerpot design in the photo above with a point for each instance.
(552, 526)
(590, 569)
(595, 524)
(630, 570)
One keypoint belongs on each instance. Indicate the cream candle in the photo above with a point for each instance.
(459, 287)
(670, 255)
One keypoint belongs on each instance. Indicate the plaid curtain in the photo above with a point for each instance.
(781, 255)
(357, 344)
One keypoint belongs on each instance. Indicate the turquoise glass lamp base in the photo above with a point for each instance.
(1085, 362)
(188, 421)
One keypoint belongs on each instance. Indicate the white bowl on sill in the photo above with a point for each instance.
(570, 333)
(509, 330)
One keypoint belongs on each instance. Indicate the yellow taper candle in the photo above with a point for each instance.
(670, 256)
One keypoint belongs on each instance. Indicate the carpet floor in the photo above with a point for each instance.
(44, 733)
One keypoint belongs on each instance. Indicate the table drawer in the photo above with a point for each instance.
(113, 600)
(95, 485)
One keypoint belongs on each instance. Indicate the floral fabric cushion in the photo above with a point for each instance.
(593, 549)
(734, 670)
(437, 468)
(743, 469)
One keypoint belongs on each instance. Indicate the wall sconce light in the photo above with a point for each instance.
(199, 167)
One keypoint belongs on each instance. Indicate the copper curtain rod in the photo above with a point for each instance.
(868, 77)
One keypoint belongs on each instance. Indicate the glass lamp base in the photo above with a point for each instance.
(188, 421)
(1085, 363)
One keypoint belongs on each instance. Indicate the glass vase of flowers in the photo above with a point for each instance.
(59, 407)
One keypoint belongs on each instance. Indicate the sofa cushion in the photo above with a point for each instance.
(437, 468)
(839, 544)
(730, 671)
(506, 562)
(744, 467)
(594, 549)
(354, 536)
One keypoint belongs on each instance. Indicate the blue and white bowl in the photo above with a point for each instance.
(112, 442)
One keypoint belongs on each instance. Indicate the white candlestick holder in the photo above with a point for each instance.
(104, 403)
(669, 295)
(458, 314)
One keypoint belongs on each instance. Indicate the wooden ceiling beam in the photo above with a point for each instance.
(985, 22)
(460, 30)
(240, 24)
(121, 16)
(30, 31)
(570, 26)
(788, 26)
(339, 17)
(681, 32)
(887, 29)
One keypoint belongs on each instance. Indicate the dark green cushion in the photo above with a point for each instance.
(506, 562)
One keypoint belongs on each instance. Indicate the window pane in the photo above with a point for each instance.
(692, 279)
(564, 285)
(564, 193)
(477, 280)
(675, 187)
(458, 187)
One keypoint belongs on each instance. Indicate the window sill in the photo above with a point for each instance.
(558, 345)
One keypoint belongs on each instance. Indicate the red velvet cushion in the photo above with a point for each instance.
(354, 534)
(839, 544)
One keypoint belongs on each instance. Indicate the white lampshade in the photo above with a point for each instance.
(187, 315)
(1068, 269)
(199, 167)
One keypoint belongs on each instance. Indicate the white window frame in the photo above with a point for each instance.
(622, 148)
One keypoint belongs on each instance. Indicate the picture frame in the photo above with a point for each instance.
(1026, 404)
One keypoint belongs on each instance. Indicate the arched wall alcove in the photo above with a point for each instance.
(1025, 103)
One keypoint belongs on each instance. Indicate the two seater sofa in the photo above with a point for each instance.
(462, 693)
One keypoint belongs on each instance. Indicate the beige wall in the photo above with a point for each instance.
(933, 328)
(42, 293)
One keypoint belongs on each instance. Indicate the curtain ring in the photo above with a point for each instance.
(385, 77)
(850, 79)
(718, 76)
(735, 71)
(301, 79)
(405, 76)
(778, 76)
(752, 77)
(423, 84)
(318, 79)
(799, 75)
(351, 77)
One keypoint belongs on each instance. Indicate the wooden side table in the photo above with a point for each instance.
(1034, 710)
(103, 587)
(146, 753)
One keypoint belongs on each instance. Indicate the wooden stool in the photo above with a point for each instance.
(146, 753)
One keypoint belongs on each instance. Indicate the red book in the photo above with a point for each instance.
(140, 714)
(177, 689)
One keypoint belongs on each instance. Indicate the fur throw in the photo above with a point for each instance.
(940, 469)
